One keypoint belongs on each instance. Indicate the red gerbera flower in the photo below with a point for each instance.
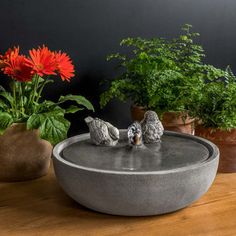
(42, 61)
(10, 53)
(64, 66)
(16, 67)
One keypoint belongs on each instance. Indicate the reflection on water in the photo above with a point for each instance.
(171, 153)
(137, 158)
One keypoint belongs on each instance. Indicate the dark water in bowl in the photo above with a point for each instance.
(173, 152)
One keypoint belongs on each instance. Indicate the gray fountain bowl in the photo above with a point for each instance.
(135, 193)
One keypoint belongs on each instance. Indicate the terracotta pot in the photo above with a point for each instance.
(23, 155)
(226, 142)
(174, 121)
(137, 112)
(170, 120)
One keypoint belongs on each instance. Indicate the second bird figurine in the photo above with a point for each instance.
(135, 134)
(152, 127)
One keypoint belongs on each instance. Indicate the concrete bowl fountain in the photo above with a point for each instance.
(154, 179)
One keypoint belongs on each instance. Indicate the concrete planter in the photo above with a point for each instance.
(23, 155)
(161, 178)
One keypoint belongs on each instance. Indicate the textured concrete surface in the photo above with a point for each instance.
(139, 189)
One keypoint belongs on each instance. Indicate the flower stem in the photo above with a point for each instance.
(41, 90)
(21, 91)
(14, 105)
(33, 93)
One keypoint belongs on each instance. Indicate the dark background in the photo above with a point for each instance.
(88, 30)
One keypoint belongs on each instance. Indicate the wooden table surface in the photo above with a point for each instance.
(40, 207)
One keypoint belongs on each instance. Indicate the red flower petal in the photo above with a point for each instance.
(15, 66)
(42, 61)
(10, 53)
(64, 66)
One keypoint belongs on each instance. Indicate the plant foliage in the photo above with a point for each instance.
(23, 104)
(46, 116)
(159, 74)
(216, 107)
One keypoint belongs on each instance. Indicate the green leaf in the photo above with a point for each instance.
(73, 109)
(7, 96)
(3, 105)
(2, 89)
(5, 121)
(54, 129)
(40, 79)
(80, 100)
(47, 106)
(36, 120)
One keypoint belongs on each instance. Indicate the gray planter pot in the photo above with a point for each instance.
(156, 180)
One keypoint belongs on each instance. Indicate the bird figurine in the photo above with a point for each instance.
(152, 127)
(135, 134)
(102, 132)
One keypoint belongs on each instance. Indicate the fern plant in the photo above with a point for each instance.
(216, 107)
(159, 74)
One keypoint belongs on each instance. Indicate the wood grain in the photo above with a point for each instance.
(40, 207)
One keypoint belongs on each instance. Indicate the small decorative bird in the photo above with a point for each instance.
(135, 134)
(102, 132)
(152, 127)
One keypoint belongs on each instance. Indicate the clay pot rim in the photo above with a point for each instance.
(20, 124)
(134, 106)
(12, 125)
(177, 116)
(25, 126)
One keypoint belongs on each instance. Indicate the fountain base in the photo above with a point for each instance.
(157, 179)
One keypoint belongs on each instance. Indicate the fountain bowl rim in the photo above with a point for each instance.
(213, 155)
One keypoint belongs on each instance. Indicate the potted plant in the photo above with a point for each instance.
(161, 75)
(29, 125)
(216, 113)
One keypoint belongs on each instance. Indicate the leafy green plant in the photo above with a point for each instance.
(159, 74)
(23, 103)
(216, 107)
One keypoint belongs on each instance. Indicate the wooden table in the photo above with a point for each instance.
(40, 207)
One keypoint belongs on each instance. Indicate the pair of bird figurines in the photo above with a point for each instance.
(149, 130)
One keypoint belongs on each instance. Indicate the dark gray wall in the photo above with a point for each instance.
(90, 29)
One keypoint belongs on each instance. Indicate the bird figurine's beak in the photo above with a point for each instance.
(137, 140)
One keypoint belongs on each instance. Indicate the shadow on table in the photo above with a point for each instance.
(41, 204)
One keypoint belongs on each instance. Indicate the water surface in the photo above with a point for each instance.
(173, 152)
